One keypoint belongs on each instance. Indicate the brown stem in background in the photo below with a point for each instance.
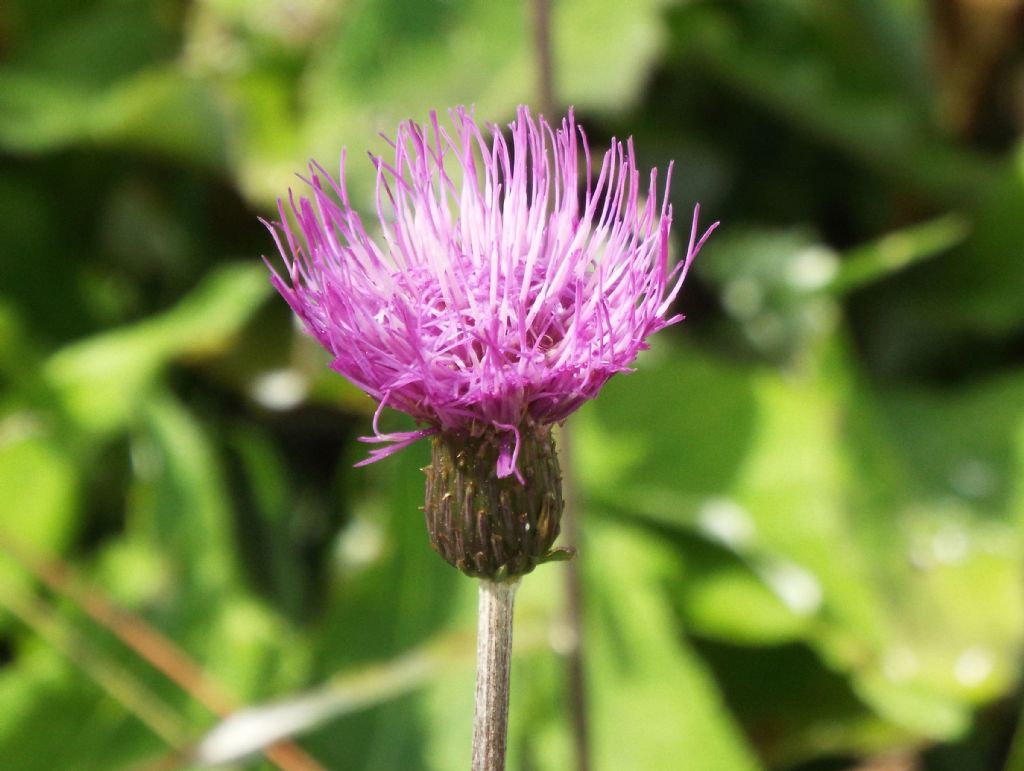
(899, 761)
(542, 47)
(972, 43)
(571, 515)
(574, 609)
(149, 644)
(117, 682)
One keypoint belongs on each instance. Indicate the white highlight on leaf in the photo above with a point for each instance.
(563, 638)
(280, 389)
(974, 666)
(900, 664)
(950, 544)
(251, 729)
(796, 586)
(769, 331)
(743, 297)
(248, 730)
(146, 459)
(727, 522)
(812, 268)
(974, 478)
(361, 543)
(19, 427)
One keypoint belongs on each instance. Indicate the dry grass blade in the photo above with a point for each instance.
(149, 644)
(119, 683)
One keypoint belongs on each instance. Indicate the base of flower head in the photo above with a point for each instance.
(488, 525)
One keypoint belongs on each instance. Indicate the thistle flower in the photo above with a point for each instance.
(493, 301)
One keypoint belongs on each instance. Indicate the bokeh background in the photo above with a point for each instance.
(800, 521)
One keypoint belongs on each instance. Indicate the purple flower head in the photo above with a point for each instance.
(493, 296)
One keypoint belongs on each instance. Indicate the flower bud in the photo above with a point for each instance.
(490, 526)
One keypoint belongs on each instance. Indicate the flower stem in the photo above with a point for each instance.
(493, 665)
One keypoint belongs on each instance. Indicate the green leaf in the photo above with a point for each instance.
(90, 44)
(653, 706)
(723, 596)
(179, 494)
(392, 593)
(37, 114)
(165, 112)
(43, 697)
(823, 528)
(821, 85)
(959, 443)
(159, 111)
(645, 438)
(257, 727)
(605, 50)
(102, 380)
(40, 503)
(376, 65)
(897, 251)
(70, 87)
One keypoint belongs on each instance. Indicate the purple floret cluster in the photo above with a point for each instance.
(499, 287)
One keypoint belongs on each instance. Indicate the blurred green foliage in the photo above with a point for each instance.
(802, 517)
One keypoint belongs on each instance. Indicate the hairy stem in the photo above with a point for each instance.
(493, 665)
